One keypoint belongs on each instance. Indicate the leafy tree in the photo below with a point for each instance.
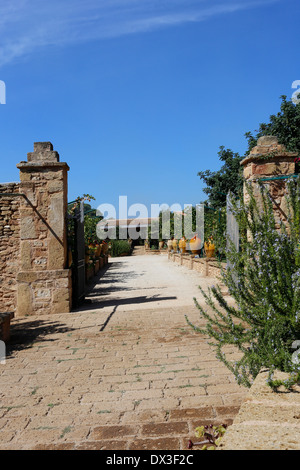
(176, 224)
(90, 228)
(91, 219)
(228, 178)
(285, 125)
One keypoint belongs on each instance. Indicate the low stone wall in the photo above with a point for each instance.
(94, 268)
(44, 292)
(9, 245)
(149, 251)
(205, 266)
(267, 420)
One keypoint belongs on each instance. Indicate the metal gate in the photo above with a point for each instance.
(232, 226)
(232, 233)
(77, 247)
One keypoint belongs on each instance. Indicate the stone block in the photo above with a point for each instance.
(56, 215)
(273, 169)
(25, 256)
(24, 300)
(60, 295)
(42, 146)
(26, 277)
(55, 186)
(60, 307)
(25, 176)
(43, 151)
(28, 230)
(248, 171)
(56, 254)
(266, 420)
(284, 206)
(267, 141)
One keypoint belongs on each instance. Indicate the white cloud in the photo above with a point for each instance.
(26, 25)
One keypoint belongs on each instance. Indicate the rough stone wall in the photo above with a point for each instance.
(9, 245)
(269, 159)
(200, 265)
(214, 270)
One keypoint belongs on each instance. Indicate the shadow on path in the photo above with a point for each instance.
(90, 304)
(114, 279)
(24, 334)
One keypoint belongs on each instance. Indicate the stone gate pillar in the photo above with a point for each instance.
(44, 280)
(270, 162)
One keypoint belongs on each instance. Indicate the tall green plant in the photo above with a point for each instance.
(263, 278)
(120, 247)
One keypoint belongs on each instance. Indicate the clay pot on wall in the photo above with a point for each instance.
(210, 249)
(161, 245)
(182, 245)
(195, 245)
(104, 248)
(174, 244)
(170, 245)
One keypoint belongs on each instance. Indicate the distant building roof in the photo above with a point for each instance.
(138, 222)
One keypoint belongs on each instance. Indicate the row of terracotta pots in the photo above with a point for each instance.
(95, 251)
(194, 245)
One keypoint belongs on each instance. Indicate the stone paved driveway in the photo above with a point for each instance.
(124, 372)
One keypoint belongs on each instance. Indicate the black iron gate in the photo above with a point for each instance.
(77, 247)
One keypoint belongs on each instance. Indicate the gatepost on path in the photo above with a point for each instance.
(44, 280)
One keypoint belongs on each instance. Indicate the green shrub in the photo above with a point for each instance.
(263, 278)
(120, 247)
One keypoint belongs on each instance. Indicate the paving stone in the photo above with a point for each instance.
(103, 445)
(54, 446)
(111, 432)
(163, 443)
(161, 429)
(206, 412)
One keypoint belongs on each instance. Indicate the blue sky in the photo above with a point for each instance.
(137, 96)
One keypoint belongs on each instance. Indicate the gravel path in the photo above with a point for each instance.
(149, 281)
